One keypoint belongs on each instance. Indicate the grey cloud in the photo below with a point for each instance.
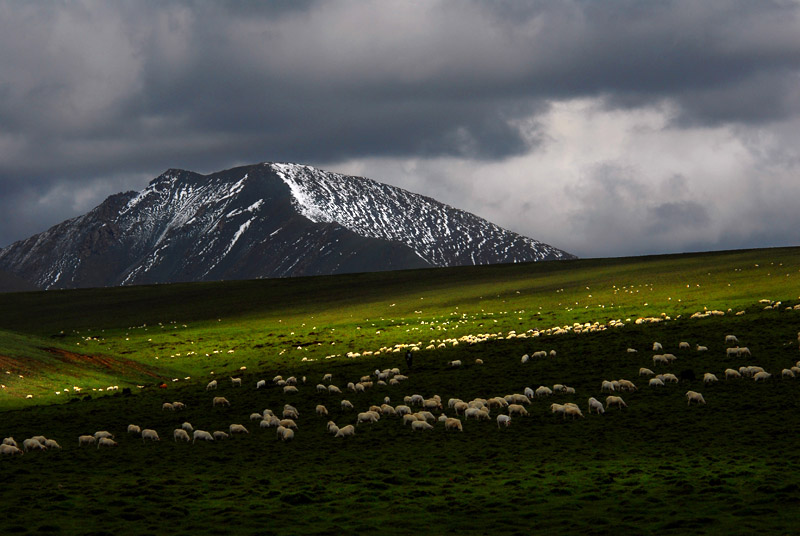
(95, 91)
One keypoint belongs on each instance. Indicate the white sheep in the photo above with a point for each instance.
(188, 427)
(346, 431)
(52, 444)
(211, 385)
(289, 389)
(632, 350)
(291, 380)
(9, 441)
(787, 373)
(656, 382)
(237, 429)
(615, 401)
(517, 409)
(220, 435)
(657, 347)
(455, 363)
(346, 404)
(479, 361)
(732, 352)
(261, 383)
(167, 405)
(451, 423)
(415, 400)
(285, 434)
(694, 396)
(321, 410)
(134, 429)
(327, 377)
(147, 433)
(744, 351)
(11, 450)
(524, 358)
(731, 373)
(626, 385)
(431, 404)
(402, 410)
(607, 386)
(557, 408)
(683, 345)
(596, 405)
(701, 348)
(178, 405)
(322, 388)
(731, 339)
(660, 359)
(106, 442)
(573, 410)
(543, 391)
(204, 436)
(709, 378)
(180, 433)
(421, 425)
(255, 416)
(277, 379)
(388, 410)
(40, 438)
(505, 420)
(32, 444)
(220, 401)
(367, 416)
(333, 389)
(761, 375)
(288, 423)
(528, 392)
(668, 377)
(101, 434)
(645, 372)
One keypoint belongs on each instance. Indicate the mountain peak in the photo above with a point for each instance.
(263, 220)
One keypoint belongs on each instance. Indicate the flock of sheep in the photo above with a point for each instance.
(419, 412)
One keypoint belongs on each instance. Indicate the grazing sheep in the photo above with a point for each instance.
(683, 345)
(421, 425)
(656, 382)
(220, 401)
(327, 377)
(133, 429)
(211, 385)
(40, 438)
(479, 361)
(367, 416)
(573, 410)
(255, 416)
(147, 433)
(261, 383)
(178, 405)
(731, 373)
(626, 385)
(732, 352)
(277, 379)
(552, 353)
(528, 392)
(451, 423)
(237, 429)
(660, 358)
(289, 389)
(101, 434)
(167, 405)
(607, 386)
(288, 423)
(657, 347)
(87, 440)
(291, 380)
(51, 444)
(787, 373)
(32, 444)
(744, 351)
(525, 358)
(616, 401)
(431, 404)
(180, 433)
(416, 400)
(645, 372)
(670, 357)
(731, 339)
(204, 436)
(701, 348)
(764, 376)
(410, 417)
(188, 427)
(694, 396)
(668, 377)
(9, 441)
(290, 413)
(543, 391)
(388, 410)
(596, 405)
(220, 435)
(11, 450)
(455, 363)
(632, 350)
(557, 408)
(285, 434)
(333, 389)
(402, 410)
(321, 410)
(346, 431)
(517, 409)
(106, 442)
(425, 416)
(346, 404)
(322, 388)
(505, 420)
(709, 378)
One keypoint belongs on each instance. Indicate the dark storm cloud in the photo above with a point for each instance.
(95, 97)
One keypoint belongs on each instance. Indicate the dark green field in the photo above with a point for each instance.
(731, 466)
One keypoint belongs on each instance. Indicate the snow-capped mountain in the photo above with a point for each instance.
(263, 220)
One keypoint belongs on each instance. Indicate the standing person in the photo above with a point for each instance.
(409, 358)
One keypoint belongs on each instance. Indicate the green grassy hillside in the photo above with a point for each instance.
(658, 466)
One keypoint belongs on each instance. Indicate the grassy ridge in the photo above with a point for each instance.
(656, 467)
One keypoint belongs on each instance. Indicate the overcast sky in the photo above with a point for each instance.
(602, 128)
